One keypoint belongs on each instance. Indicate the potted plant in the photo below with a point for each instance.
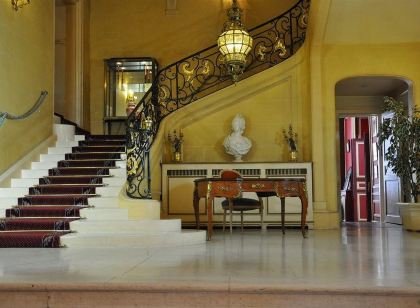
(401, 132)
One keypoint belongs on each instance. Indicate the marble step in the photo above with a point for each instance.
(8, 202)
(60, 150)
(39, 173)
(108, 191)
(104, 202)
(43, 165)
(52, 157)
(118, 172)
(67, 143)
(121, 226)
(13, 192)
(24, 182)
(53, 164)
(79, 137)
(137, 239)
(104, 214)
(31, 174)
(114, 181)
(121, 164)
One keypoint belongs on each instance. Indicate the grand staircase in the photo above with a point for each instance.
(71, 198)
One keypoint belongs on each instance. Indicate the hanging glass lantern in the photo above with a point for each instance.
(235, 42)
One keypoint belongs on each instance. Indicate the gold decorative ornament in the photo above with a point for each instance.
(188, 73)
(176, 140)
(280, 46)
(206, 68)
(162, 96)
(147, 123)
(261, 52)
(257, 186)
(303, 20)
(290, 137)
(133, 165)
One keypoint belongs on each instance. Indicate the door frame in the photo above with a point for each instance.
(341, 115)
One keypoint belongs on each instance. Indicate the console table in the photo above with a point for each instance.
(211, 188)
(178, 187)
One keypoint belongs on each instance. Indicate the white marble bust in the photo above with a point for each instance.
(236, 144)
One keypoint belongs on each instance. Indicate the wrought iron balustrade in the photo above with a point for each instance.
(199, 75)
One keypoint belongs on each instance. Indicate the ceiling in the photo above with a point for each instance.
(370, 86)
(373, 22)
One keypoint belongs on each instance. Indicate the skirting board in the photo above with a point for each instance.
(27, 159)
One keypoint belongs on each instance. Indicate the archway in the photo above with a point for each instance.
(367, 191)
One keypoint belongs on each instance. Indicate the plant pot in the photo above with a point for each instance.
(410, 214)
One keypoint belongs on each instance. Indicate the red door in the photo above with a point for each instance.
(359, 179)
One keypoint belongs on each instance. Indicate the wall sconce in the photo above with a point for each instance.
(17, 4)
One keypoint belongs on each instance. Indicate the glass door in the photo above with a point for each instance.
(126, 81)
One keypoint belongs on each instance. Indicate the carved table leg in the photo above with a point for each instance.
(196, 202)
(283, 201)
(304, 201)
(230, 214)
(209, 217)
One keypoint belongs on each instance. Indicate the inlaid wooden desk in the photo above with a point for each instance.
(210, 188)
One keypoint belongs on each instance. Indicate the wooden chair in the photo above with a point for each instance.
(238, 204)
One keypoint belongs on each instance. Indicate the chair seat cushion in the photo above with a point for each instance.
(263, 194)
(242, 204)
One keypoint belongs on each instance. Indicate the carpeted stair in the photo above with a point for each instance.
(40, 217)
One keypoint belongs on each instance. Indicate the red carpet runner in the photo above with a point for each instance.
(42, 216)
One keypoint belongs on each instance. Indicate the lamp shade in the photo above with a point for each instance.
(234, 43)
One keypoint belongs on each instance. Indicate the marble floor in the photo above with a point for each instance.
(365, 256)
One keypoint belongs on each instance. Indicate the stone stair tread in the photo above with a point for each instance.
(63, 195)
(134, 239)
(30, 231)
(79, 176)
(85, 167)
(136, 234)
(97, 152)
(82, 206)
(71, 185)
(94, 159)
(47, 218)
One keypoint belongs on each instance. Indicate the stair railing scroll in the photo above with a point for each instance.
(197, 76)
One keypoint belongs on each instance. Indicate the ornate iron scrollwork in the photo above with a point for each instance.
(197, 76)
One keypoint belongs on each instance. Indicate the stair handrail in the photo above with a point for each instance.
(197, 76)
(7, 116)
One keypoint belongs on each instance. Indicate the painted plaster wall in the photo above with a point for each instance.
(339, 62)
(385, 60)
(142, 28)
(269, 101)
(26, 61)
(330, 63)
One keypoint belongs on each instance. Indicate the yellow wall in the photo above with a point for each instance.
(330, 64)
(26, 61)
(141, 28)
(269, 101)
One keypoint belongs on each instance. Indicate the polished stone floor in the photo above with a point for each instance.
(365, 256)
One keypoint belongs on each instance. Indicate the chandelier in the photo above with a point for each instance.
(235, 42)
